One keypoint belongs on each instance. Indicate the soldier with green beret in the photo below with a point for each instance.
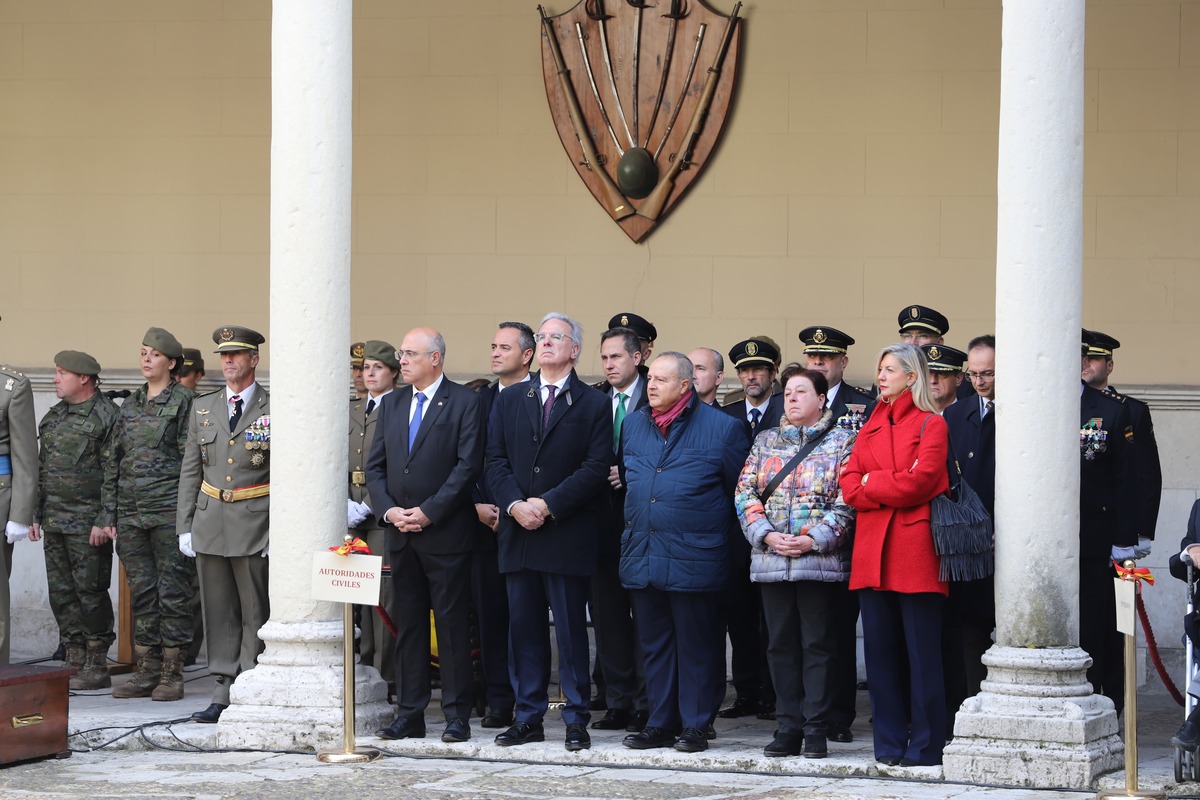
(71, 519)
(18, 479)
(141, 481)
(380, 371)
(223, 511)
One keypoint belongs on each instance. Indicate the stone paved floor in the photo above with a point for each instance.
(129, 764)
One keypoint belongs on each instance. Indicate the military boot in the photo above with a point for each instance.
(74, 656)
(170, 684)
(149, 670)
(94, 674)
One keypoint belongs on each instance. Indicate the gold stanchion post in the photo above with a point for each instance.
(349, 754)
(1131, 758)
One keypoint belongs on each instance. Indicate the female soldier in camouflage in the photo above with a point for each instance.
(144, 475)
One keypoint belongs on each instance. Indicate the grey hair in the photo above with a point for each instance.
(718, 358)
(576, 328)
(439, 344)
(912, 359)
(683, 364)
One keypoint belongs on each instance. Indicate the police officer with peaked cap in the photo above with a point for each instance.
(945, 372)
(1097, 367)
(224, 500)
(826, 350)
(646, 332)
(18, 479)
(922, 325)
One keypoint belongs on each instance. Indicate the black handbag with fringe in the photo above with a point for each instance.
(962, 529)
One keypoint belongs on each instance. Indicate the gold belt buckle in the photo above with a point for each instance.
(358, 477)
(227, 495)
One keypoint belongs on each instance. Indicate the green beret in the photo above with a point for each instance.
(162, 341)
(381, 351)
(235, 337)
(77, 362)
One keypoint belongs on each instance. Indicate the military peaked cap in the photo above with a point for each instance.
(1099, 344)
(823, 339)
(943, 358)
(639, 325)
(751, 352)
(922, 317)
(234, 337)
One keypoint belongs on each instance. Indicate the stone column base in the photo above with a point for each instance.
(1035, 723)
(293, 699)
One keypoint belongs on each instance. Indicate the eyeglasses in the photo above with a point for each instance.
(411, 354)
(554, 337)
(986, 375)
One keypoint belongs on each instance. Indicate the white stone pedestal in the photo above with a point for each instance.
(1035, 723)
(293, 698)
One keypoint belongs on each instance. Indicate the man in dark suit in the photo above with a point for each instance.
(1108, 529)
(512, 353)
(826, 350)
(1097, 367)
(971, 610)
(756, 360)
(708, 371)
(425, 460)
(548, 456)
(612, 614)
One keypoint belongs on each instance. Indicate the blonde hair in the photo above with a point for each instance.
(912, 360)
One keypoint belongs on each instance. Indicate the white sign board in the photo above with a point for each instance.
(346, 579)
(1126, 612)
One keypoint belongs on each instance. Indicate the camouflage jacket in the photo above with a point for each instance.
(142, 478)
(76, 444)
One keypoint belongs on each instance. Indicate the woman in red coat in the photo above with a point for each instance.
(897, 466)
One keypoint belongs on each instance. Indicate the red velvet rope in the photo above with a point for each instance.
(1152, 647)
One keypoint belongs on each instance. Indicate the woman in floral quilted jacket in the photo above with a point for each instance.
(799, 529)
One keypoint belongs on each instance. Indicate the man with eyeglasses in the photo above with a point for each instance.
(425, 460)
(549, 449)
(971, 609)
(921, 326)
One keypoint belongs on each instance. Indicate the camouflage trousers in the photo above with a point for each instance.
(160, 585)
(78, 576)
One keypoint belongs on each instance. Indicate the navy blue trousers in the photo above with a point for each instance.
(683, 641)
(909, 720)
(530, 593)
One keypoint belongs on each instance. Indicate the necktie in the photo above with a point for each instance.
(237, 412)
(371, 405)
(548, 406)
(618, 419)
(414, 424)
(755, 416)
(988, 406)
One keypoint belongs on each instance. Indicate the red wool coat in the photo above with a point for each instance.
(893, 545)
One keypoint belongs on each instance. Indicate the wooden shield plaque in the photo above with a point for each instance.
(640, 91)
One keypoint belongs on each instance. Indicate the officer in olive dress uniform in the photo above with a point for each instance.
(18, 479)
(224, 500)
(826, 350)
(922, 325)
(1097, 367)
(380, 370)
(356, 371)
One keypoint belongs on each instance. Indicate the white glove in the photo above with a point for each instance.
(356, 513)
(266, 550)
(185, 545)
(1120, 554)
(15, 532)
(1143, 549)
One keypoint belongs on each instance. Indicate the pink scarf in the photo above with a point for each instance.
(663, 419)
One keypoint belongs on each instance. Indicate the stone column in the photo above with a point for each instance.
(293, 698)
(1036, 722)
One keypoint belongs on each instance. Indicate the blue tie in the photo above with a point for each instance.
(414, 424)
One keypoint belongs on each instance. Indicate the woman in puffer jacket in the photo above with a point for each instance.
(799, 535)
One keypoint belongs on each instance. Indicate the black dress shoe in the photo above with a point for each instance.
(403, 728)
(692, 740)
(210, 714)
(742, 707)
(616, 719)
(577, 737)
(889, 761)
(457, 730)
(497, 719)
(522, 733)
(597, 704)
(766, 711)
(842, 735)
(1187, 737)
(815, 746)
(784, 744)
(650, 738)
(638, 723)
(710, 732)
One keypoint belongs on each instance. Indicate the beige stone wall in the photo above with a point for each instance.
(857, 175)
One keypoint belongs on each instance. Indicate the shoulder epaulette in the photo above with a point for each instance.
(7, 369)
(210, 393)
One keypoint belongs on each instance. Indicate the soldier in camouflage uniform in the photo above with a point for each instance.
(143, 477)
(76, 437)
